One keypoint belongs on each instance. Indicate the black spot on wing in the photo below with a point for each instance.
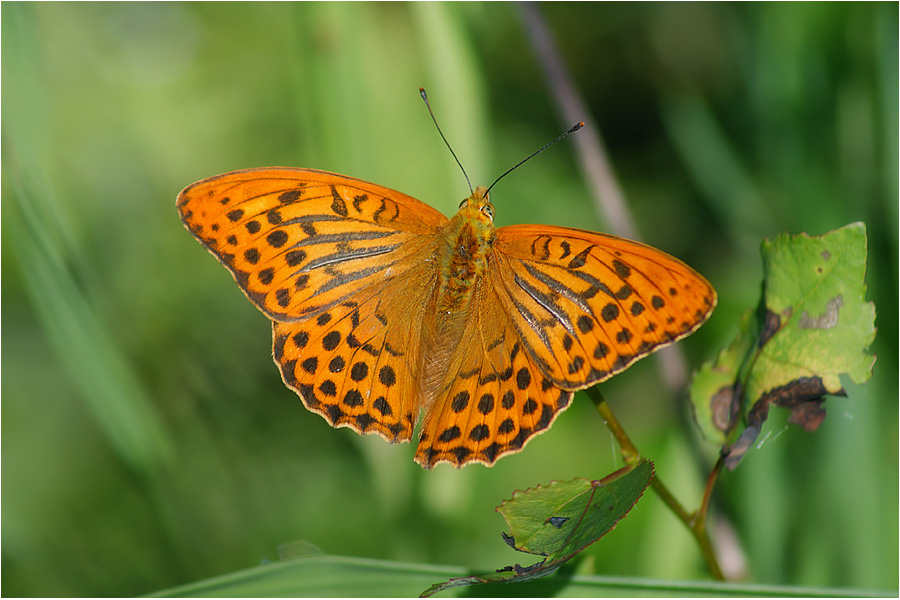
(580, 259)
(622, 270)
(337, 203)
(291, 196)
(277, 238)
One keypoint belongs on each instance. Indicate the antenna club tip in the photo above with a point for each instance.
(577, 126)
(422, 92)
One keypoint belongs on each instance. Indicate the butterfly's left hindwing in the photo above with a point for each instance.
(587, 305)
(300, 241)
(357, 364)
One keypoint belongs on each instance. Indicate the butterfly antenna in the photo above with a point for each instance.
(572, 129)
(425, 98)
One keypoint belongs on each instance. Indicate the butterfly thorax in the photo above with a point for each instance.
(463, 255)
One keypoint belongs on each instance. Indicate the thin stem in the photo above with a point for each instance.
(695, 522)
(629, 451)
(676, 507)
(710, 484)
(707, 550)
(597, 170)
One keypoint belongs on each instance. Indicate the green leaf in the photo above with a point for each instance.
(560, 520)
(816, 286)
(815, 327)
(563, 518)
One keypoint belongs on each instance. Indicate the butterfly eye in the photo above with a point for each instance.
(488, 210)
(463, 203)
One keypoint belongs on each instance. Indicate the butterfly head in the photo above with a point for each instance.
(478, 207)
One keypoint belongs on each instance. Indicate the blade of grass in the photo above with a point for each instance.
(41, 243)
(108, 386)
(365, 577)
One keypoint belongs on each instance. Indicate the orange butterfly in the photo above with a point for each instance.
(385, 312)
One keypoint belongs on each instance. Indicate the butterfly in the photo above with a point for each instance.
(386, 314)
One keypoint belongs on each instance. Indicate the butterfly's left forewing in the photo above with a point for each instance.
(300, 241)
(587, 305)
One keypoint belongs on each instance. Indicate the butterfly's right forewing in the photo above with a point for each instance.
(588, 305)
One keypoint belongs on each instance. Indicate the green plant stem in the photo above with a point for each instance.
(695, 522)
(710, 484)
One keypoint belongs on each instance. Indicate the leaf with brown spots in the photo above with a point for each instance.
(385, 313)
(812, 327)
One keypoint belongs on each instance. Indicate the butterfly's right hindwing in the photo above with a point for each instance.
(493, 400)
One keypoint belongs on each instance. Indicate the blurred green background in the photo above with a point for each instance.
(147, 438)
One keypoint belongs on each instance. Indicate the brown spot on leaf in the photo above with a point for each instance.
(725, 407)
(808, 415)
(827, 319)
(802, 396)
(771, 325)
